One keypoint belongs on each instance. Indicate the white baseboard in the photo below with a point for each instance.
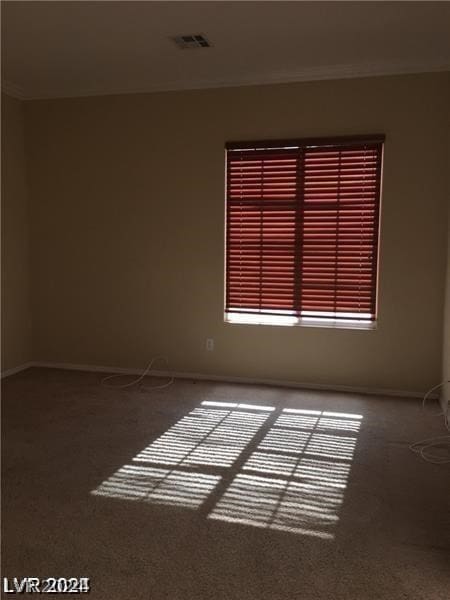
(15, 370)
(231, 379)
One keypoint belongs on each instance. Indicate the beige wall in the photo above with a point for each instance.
(128, 230)
(15, 294)
(445, 398)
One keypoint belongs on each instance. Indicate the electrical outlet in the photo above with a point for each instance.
(209, 344)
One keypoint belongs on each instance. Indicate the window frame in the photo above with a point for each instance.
(296, 318)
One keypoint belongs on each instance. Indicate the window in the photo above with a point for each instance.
(302, 221)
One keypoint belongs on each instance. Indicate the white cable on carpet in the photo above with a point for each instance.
(422, 448)
(427, 395)
(137, 380)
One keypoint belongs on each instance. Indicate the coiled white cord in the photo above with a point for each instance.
(138, 379)
(427, 395)
(423, 447)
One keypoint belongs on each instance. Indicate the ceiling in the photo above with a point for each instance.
(59, 48)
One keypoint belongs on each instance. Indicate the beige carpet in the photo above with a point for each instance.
(221, 492)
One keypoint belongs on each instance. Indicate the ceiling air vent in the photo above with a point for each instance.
(191, 41)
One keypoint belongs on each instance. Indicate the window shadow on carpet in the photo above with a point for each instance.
(278, 468)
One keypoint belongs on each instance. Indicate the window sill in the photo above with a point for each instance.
(290, 321)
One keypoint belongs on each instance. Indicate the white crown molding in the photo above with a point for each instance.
(229, 379)
(12, 89)
(347, 71)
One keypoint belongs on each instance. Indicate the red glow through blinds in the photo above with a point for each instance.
(302, 227)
